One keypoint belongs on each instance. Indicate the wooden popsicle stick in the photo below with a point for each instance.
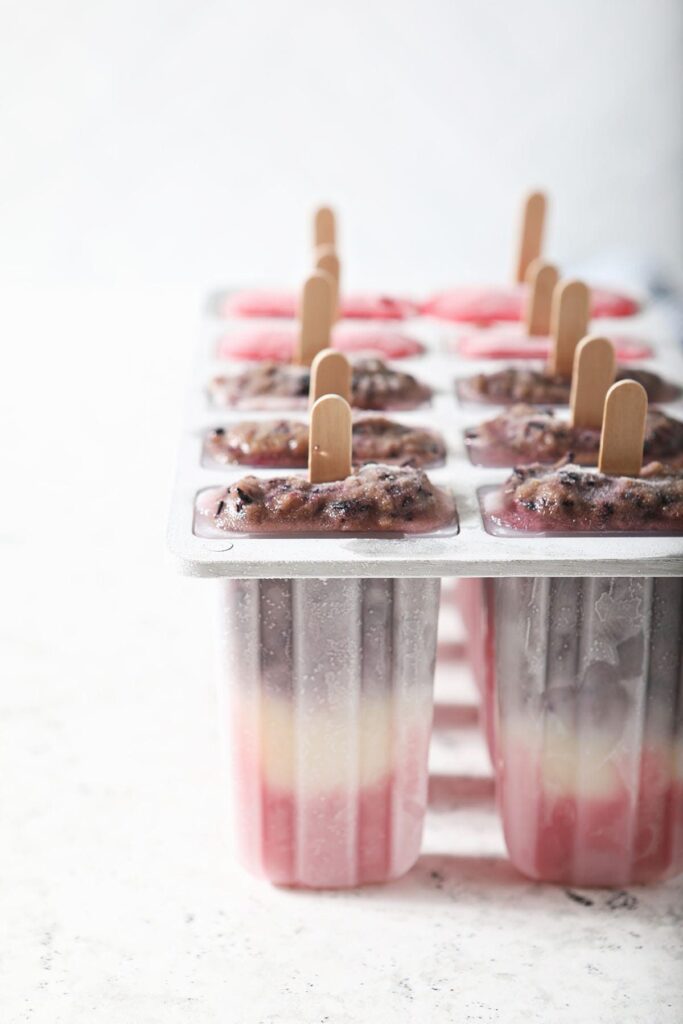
(531, 233)
(329, 444)
(315, 314)
(324, 227)
(541, 278)
(595, 365)
(330, 375)
(569, 315)
(327, 259)
(623, 429)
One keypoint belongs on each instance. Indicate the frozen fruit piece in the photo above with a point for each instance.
(278, 343)
(540, 387)
(568, 497)
(487, 305)
(525, 434)
(374, 386)
(286, 304)
(283, 444)
(376, 498)
(504, 342)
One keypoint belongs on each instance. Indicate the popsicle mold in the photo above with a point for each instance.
(373, 499)
(268, 385)
(331, 690)
(589, 759)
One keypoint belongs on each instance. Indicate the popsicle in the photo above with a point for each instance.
(525, 434)
(620, 495)
(276, 386)
(277, 344)
(532, 339)
(486, 305)
(283, 305)
(590, 737)
(331, 690)
(283, 443)
(331, 680)
(275, 304)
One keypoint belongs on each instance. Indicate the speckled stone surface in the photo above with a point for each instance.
(120, 900)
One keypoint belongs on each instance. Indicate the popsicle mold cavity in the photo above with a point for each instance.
(285, 305)
(525, 434)
(537, 386)
(376, 498)
(331, 691)
(278, 344)
(485, 306)
(567, 498)
(283, 444)
(590, 727)
(267, 385)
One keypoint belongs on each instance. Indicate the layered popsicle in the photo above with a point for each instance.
(505, 342)
(277, 344)
(331, 689)
(567, 498)
(589, 759)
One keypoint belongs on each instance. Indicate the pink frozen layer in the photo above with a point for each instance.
(277, 343)
(374, 498)
(512, 342)
(579, 816)
(485, 306)
(285, 305)
(323, 805)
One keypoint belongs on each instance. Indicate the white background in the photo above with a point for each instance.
(184, 141)
(152, 149)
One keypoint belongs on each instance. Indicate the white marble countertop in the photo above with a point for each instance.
(120, 900)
